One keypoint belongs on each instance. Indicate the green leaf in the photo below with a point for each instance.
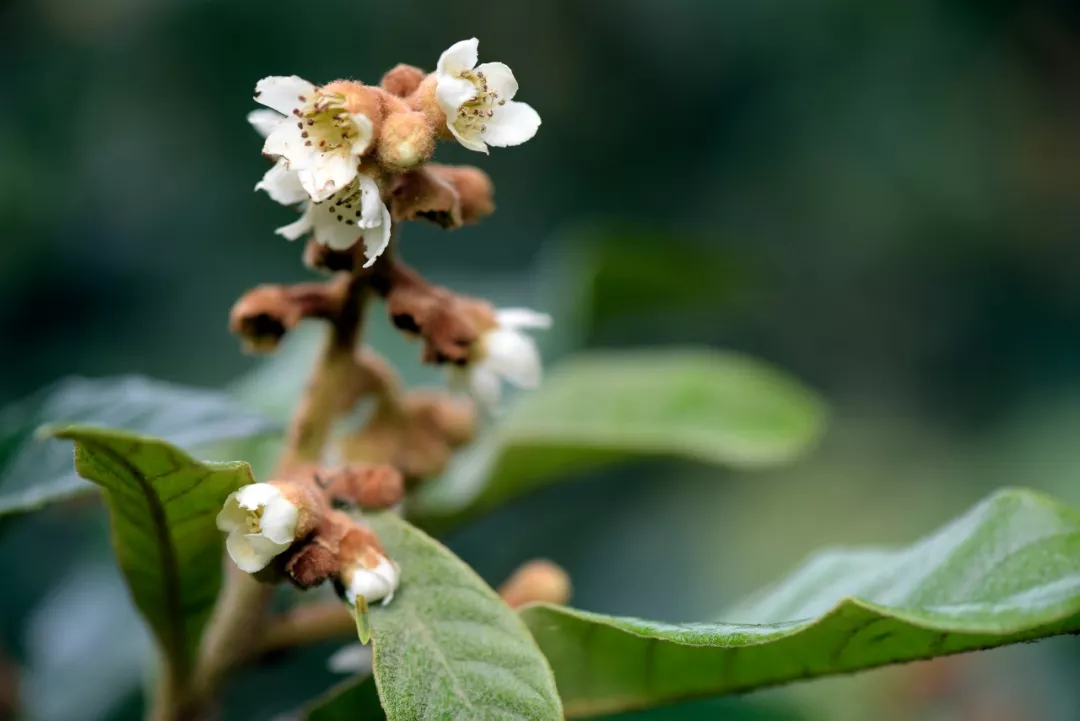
(34, 474)
(601, 408)
(446, 646)
(162, 508)
(1005, 572)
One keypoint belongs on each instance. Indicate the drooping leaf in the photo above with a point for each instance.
(1007, 571)
(446, 646)
(33, 474)
(601, 408)
(162, 508)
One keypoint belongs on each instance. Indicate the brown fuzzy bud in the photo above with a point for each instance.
(406, 141)
(320, 557)
(424, 194)
(536, 582)
(371, 487)
(423, 100)
(402, 80)
(474, 190)
(360, 546)
(264, 314)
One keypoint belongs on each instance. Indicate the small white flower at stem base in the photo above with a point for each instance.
(503, 352)
(317, 137)
(478, 100)
(356, 213)
(261, 523)
(377, 582)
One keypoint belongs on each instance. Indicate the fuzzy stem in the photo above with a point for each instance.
(240, 613)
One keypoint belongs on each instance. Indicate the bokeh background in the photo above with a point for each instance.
(883, 198)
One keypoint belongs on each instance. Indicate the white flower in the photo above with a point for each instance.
(503, 353)
(355, 213)
(478, 100)
(280, 183)
(372, 583)
(261, 523)
(352, 659)
(318, 138)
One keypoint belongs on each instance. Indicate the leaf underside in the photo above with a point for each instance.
(35, 474)
(601, 408)
(1007, 571)
(162, 508)
(446, 646)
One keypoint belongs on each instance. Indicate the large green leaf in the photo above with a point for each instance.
(600, 408)
(1007, 571)
(162, 507)
(33, 474)
(446, 646)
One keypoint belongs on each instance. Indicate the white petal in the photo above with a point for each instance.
(485, 386)
(451, 93)
(231, 516)
(365, 131)
(278, 522)
(374, 583)
(299, 228)
(514, 356)
(459, 56)
(351, 659)
(376, 239)
(251, 553)
(371, 206)
(522, 318)
(330, 231)
(472, 142)
(254, 495)
(329, 173)
(500, 79)
(512, 124)
(264, 120)
(286, 141)
(282, 185)
(284, 93)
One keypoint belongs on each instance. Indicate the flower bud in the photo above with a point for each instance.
(264, 519)
(406, 141)
(536, 582)
(474, 189)
(402, 80)
(374, 582)
(371, 487)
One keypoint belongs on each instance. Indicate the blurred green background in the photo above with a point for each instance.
(883, 198)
